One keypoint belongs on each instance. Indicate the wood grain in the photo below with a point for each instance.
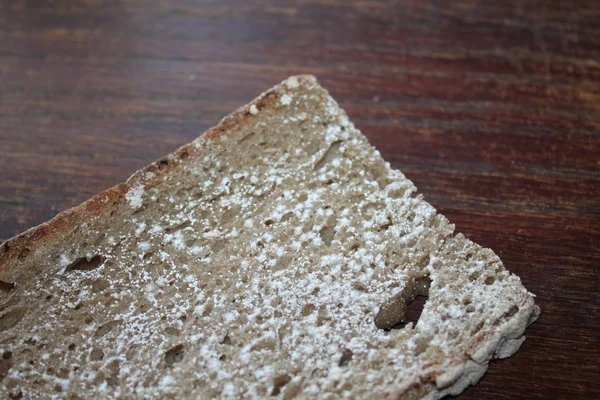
(491, 108)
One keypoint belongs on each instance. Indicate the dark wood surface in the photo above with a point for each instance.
(491, 108)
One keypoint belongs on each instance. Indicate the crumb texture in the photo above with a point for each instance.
(278, 259)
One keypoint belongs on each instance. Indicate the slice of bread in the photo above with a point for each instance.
(276, 255)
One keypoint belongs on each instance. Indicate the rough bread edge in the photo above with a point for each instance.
(67, 219)
(458, 376)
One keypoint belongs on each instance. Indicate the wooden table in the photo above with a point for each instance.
(491, 108)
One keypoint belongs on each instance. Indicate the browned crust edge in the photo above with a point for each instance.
(39, 235)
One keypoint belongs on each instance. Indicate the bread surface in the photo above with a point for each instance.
(276, 255)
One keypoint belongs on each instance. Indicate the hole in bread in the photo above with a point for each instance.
(513, 310)
(422, 286)
(85, 264)
(184, 154)
(307, 309)
(113, 378)
(474, 276)
(24, 253)
(287, 216)
(345, 358)
(405, 306)
(330, 155)
(6, 286)
(397, 192)
(16, 395)
(327, 234)
(178, 226)
(5, 366)
(182, 192)
(361, 287)
(246, 138)
(226, 340)
(96, 354)
(106, 328)
(12, 318)
(174, 355)
(279, 382)
(207, 309)
(489, 280)
(140, 209)
(266, 343)
(385, 226)
(171, 331)
(414, 310)
(478, 327)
